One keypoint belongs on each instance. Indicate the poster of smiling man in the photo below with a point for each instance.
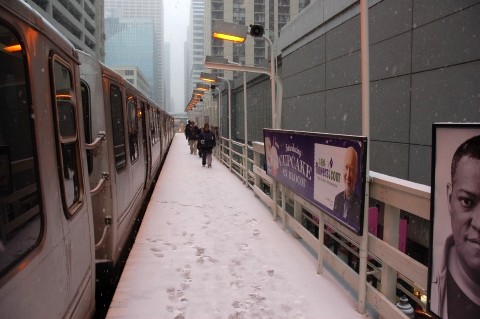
(328, 170)
(454, 270)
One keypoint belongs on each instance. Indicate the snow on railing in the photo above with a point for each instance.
(389, 268)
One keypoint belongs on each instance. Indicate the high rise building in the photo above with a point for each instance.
(131, 42)
(196, 42)
(133, 75)
(166, 77)
(186, 72)
(80, 21)
(144, 9)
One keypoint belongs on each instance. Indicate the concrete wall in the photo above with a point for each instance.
(424, 68)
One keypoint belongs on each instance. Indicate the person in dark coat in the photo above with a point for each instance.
(206, 143)
(188, 129)
(193, 138)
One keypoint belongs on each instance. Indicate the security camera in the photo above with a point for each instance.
(256, 30)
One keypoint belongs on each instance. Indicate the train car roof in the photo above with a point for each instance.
(111, 74)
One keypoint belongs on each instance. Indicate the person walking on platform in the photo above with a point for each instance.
(193, 137)
(188, 129)
(206, 144)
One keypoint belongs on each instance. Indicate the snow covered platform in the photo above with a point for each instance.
(208, 249)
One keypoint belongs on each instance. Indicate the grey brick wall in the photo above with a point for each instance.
(424, 68)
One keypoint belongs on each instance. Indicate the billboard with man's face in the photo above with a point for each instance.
(328, 170)
(454, 263)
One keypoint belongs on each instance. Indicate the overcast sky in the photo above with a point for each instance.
(176, 17)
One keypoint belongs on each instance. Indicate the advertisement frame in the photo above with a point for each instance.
(313, 166)
(448, 141)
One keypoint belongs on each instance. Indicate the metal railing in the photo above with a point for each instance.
(389, 269)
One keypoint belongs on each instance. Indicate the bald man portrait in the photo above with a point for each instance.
(347, 203)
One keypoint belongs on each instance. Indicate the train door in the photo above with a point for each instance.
(45, 224)
(137, 168)
(147, 150)
(72, 172)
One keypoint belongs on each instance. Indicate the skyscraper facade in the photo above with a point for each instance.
(80, 21)
(144, 9)
(131, 42)
(196, 42)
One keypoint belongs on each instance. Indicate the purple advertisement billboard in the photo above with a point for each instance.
(327, 170)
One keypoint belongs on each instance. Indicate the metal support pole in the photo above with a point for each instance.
(364, 44)
(272, 81)
(245, 147)
(219, 107)
(229, 123)
(274, 121)
(320, 252)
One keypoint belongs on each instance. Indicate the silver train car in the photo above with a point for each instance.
(80, 149)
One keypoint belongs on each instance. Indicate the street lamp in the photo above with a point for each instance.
(202, 87)
(198, 92)
(207, 77)
(214, 87)
(229, 31)
(257, 31)
(238, 33)
(212, 78)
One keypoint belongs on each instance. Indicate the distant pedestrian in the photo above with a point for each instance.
(193, 139)
(206, 144)
(188, 129)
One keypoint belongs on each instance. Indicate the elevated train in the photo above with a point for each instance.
(80, 149)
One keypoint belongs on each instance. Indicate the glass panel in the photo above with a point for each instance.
(67, 128)
(132, 127)
(65, 106)
(86, 122)
(117, 127)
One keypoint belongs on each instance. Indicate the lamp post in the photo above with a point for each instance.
(238, 33)
(202, 87)
(229, 92)
(219, 104)
(211, 78)
(245, 121)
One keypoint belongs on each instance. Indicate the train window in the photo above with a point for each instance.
(132, 127)
(155, 126)
(116, 106)
(87, 121)
(157, 129)
(21, 217)
(67, 133)
(152, 126)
